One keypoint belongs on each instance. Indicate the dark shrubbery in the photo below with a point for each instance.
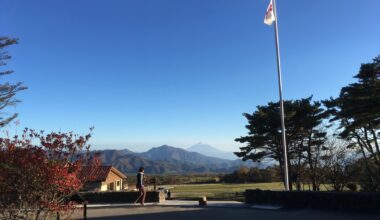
(347, 201)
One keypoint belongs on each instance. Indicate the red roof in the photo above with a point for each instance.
(97, 173)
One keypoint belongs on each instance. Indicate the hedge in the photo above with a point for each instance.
(343, 201)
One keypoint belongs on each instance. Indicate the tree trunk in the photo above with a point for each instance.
(290, 175)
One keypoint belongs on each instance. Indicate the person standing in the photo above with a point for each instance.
(140, 186)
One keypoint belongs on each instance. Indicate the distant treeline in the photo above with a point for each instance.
(171, 179)
(252, 175)
(242, 175)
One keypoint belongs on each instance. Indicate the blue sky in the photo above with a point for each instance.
(152, 72)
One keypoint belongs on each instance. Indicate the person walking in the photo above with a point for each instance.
(140, 186)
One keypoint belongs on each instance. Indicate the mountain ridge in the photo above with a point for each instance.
(168, 160)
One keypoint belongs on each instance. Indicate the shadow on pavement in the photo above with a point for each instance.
(170, 213)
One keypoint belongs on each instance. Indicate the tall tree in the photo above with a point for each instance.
(302, 119)
(311, 138)
(357, 110)
(7, 90)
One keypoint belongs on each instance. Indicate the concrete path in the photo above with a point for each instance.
(224, 210)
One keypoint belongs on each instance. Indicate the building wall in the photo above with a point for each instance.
(113, 181)
(103, 187)
(112, 177)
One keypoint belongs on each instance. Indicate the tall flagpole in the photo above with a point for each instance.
(284, 146)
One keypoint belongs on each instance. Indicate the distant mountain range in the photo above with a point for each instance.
(169, 160)
(211, 151)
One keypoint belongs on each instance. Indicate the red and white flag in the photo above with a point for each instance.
(269, 15)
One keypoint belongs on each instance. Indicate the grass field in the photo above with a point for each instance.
(219, 191)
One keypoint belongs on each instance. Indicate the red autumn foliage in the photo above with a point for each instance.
(39, 173)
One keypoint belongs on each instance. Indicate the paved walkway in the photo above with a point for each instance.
(224, 210)
(178, 203)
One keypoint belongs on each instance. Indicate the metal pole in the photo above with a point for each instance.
(85, 210)
(285, 152)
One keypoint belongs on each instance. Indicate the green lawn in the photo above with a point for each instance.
(220, 191)
(223, 191)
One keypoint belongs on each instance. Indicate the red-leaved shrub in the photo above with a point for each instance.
(38, 173)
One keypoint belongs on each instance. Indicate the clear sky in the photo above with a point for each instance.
(152, 72)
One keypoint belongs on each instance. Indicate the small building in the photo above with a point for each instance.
(102, 178)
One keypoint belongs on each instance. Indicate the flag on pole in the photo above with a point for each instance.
(269, 15)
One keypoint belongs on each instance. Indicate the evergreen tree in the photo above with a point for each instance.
(303, 119)
(7, 90)
(357, 110)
